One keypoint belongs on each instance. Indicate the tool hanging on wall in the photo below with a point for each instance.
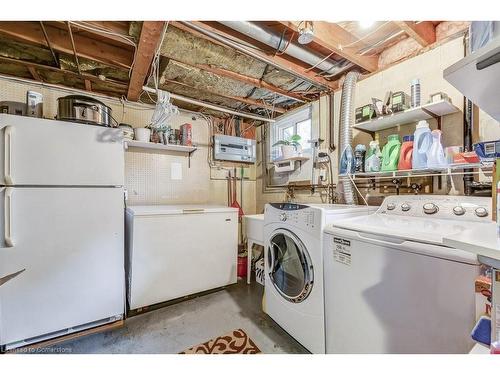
(235, 203)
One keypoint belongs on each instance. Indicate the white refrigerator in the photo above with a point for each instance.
(61, 228)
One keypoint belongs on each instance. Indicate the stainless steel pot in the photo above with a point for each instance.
(84, 109)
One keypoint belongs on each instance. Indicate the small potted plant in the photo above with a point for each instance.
(289, 147)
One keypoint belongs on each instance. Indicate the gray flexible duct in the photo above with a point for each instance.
(303, 54)
(345, 128)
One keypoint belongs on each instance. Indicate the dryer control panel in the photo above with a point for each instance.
(439, 207)
(301, 216)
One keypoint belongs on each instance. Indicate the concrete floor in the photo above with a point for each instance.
(177, 327)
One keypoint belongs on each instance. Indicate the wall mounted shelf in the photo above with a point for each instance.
(427, 111)
(453, 169)
(295, 158)
(130, 144)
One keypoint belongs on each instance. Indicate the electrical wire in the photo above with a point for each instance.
(365, 36)
(128, 40)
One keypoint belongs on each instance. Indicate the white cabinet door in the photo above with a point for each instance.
(46, 152)
(177, 255)
(69, 242)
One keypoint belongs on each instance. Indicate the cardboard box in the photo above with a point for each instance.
(483, 296)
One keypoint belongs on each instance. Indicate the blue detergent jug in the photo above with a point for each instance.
(422, 140)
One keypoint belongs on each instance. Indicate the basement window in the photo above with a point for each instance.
(299, 123)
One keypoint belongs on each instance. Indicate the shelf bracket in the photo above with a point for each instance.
(189, 157)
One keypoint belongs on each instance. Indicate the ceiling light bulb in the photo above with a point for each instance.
(306, 33)
(365, 24)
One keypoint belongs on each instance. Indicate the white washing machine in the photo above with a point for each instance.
(294, 267)
(391, 286)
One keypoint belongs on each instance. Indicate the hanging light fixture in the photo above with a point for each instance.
(306, 32)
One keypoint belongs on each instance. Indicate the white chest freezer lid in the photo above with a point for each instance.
(415, 229)
(148, 210)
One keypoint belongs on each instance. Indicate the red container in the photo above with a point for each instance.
(187, 135)
(242, 266)
(406, 153)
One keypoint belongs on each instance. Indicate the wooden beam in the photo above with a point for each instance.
(333, 37)
(424, 33)
(240, 99)
(34, 73)
(151, 34)
(31, 32)
(91, 78)
(88, 85)
(282, 62)
(243, 79)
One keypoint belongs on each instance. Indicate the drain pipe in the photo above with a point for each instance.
(345, 129)
(275, 41)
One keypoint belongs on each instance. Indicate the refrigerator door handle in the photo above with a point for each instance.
(8, 218)
(8, 155)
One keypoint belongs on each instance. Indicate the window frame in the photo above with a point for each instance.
(285, 122)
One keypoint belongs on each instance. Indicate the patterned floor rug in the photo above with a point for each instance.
(236, 342)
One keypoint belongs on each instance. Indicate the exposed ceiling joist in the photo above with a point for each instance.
(424, 33)
(244, 79)
(38, 67)
(240, 99)
(151, 34)
(31, 32)
(34, 74)
(88, 85)
(282, 62)
(332, 37)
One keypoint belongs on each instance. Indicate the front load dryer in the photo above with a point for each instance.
(294, 267)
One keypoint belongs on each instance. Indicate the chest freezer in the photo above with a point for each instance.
(178, 250)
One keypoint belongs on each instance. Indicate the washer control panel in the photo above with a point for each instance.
(438, 206)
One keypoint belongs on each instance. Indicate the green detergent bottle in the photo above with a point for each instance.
(390, 153)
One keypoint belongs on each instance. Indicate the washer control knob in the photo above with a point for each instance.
(481, 212)
(430, 208)
(391, 206)
(283, 217)
(458, 210)
(405, 207)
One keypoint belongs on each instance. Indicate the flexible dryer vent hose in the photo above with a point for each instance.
(345, 128)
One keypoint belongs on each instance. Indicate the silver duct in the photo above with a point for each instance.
(345, 129)
(275, 41)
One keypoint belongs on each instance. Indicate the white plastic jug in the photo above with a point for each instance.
(373, 155)
(422, 140)
(435, 154)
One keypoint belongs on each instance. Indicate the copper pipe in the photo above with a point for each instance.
(74, 48)
(48, 43)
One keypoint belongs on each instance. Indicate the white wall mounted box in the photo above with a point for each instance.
(237, 149)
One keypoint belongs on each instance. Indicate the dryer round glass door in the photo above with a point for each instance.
(290, 266)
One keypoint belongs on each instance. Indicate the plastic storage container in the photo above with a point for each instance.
(435, 154)
(422, 140)
(406, 154)
(390, 153)
(373, 155)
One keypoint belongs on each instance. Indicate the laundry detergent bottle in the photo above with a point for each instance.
(390, 153)
(406, 155)
(422, 140)
(435, 153)
(372, 158)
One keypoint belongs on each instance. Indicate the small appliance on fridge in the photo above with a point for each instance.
(61, 228)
